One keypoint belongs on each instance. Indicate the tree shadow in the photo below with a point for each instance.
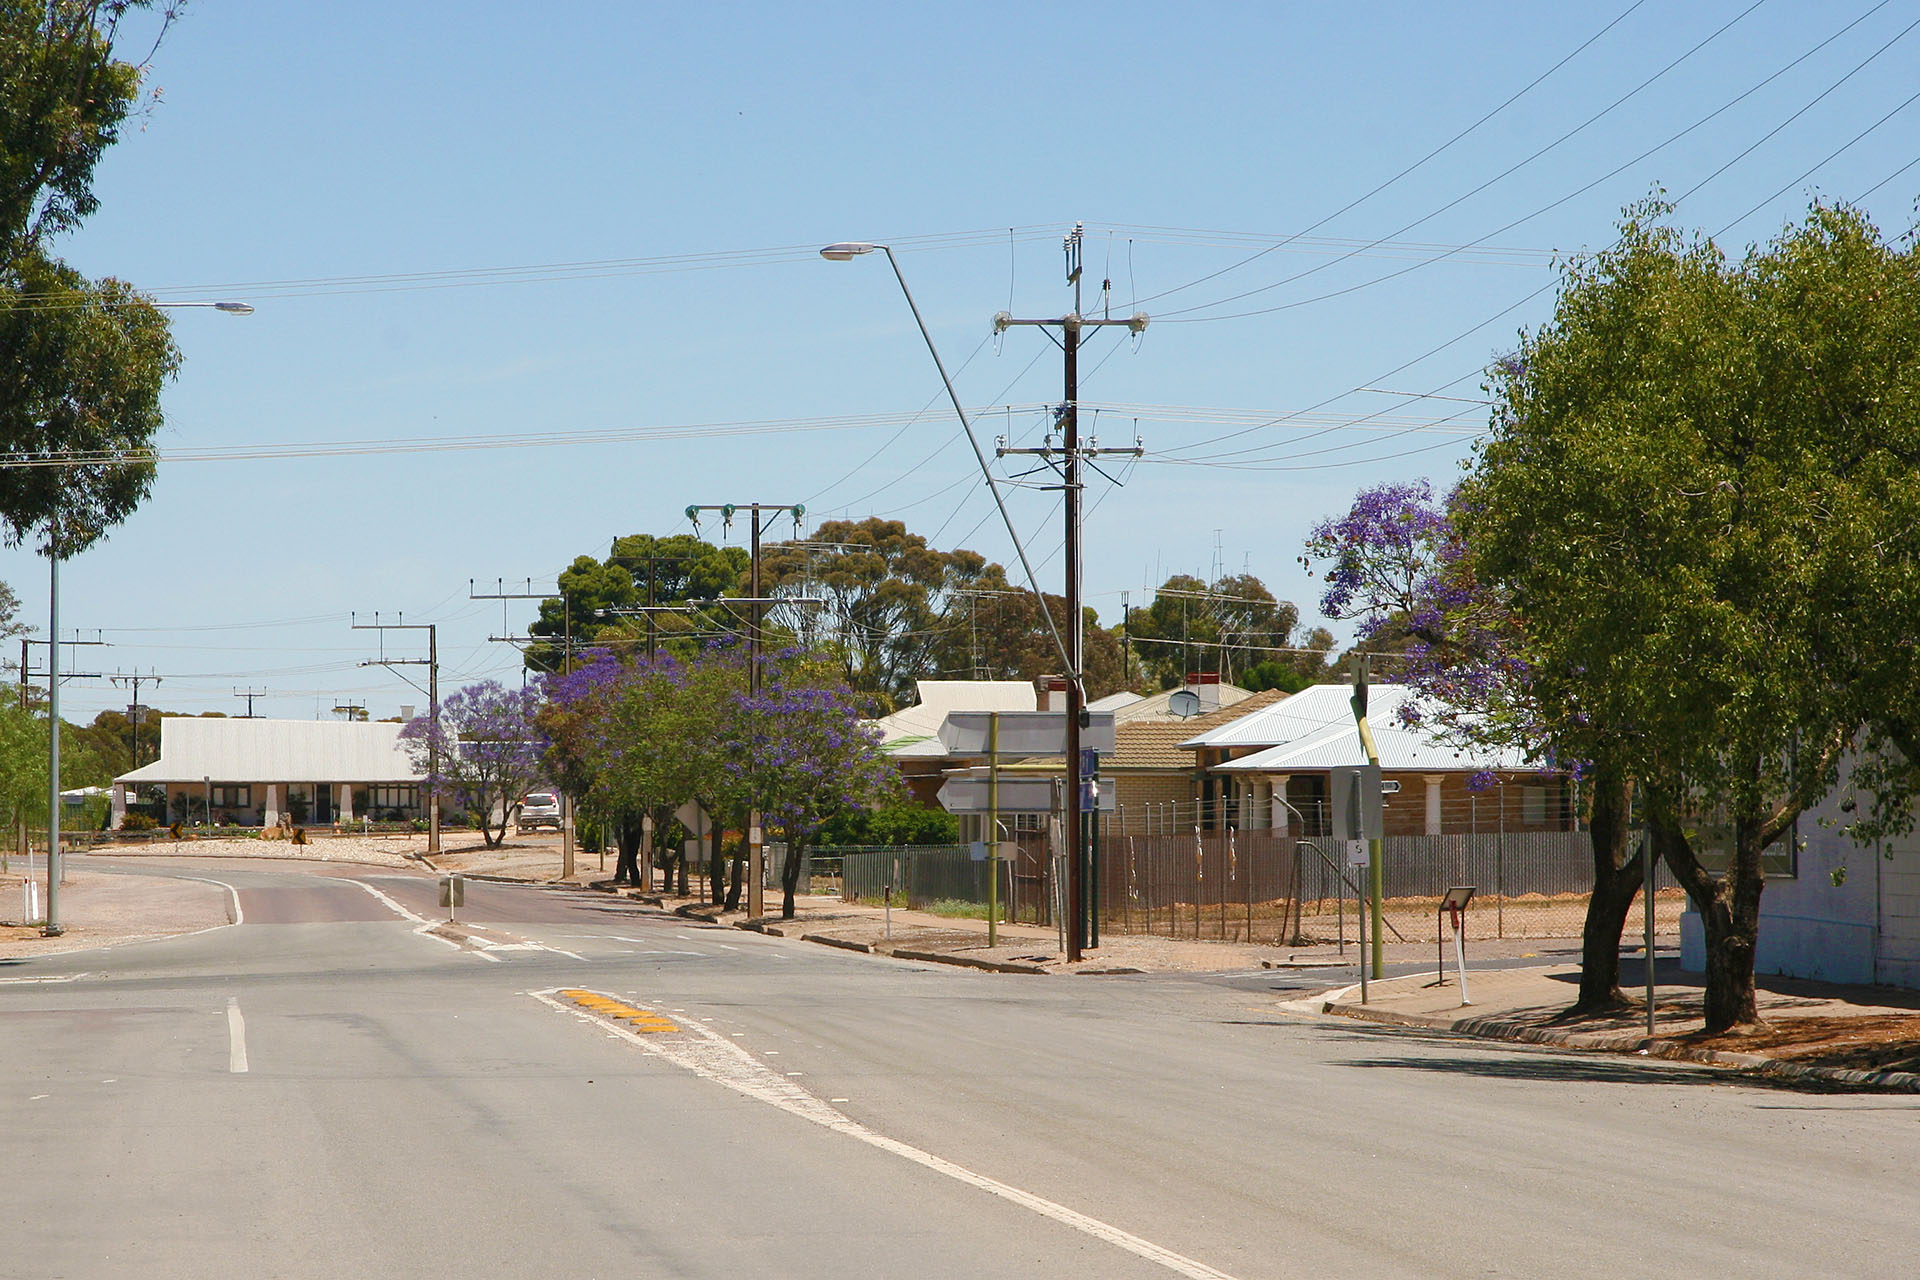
(1556, 1068)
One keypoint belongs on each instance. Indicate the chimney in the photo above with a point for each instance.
(1205, 685)
(1056, 694)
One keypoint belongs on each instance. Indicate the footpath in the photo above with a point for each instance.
(1815, 1034)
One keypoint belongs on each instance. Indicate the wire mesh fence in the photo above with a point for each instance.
(1263, 886)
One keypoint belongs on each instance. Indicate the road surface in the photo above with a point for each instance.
(328, 1088)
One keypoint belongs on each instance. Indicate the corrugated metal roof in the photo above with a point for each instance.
(1157, 744)
(259, 750)
(1314, 729)
(914, 731)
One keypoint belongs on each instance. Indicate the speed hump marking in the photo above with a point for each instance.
(607, 1007)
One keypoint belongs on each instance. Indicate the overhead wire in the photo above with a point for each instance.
(1362, 199)
(1176, 316)
(1530, 296)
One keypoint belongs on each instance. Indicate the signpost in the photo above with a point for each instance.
(453, 892)
(1454, 907)
(966, 791)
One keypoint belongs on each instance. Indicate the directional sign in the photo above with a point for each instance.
(1023, 733)
(1355, 796)
(966, 792)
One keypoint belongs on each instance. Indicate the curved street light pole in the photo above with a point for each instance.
(53, 928)
(847, 250)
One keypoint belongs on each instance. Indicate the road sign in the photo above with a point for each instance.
(1023, 733)
(966, 792)
(1356, 811)
(1356, 853)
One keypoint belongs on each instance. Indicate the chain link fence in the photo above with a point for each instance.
(1263, 886)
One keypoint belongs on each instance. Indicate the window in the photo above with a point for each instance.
(394, 797)
(1533, 806)
(232, 796)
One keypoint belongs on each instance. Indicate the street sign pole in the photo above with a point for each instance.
(993, 828)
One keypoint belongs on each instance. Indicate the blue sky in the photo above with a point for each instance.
(501, 223)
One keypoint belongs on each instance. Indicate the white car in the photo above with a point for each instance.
(539, 809)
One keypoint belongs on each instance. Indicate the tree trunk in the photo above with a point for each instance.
(680, 864)
(716, 868)
(734, 882)
(790, 874)
(1616, 879)
(628, 835)
(1729, 910)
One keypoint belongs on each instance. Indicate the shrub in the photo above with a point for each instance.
(138, 822)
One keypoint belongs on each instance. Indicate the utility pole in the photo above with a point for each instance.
(755, 602)
(1070, 455)
(432, 663)
(249, 693)
(652, 560)
(566, 667)
(55, 871)
(132, 684)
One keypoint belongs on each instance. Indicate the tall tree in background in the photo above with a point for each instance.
(1701, 503)
(995, 631)
(1228, 627)
(639, 568)
(890, 599)
(84, 360)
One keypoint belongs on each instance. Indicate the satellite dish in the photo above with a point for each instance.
(1183, 703)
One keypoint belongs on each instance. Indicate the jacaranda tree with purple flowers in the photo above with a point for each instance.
(800, 752)
(1398, 568)
(487, 748)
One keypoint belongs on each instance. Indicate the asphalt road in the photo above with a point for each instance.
(327, 1089)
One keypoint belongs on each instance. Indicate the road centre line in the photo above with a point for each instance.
(236, 1038)
(710, 1056)
(389, 903)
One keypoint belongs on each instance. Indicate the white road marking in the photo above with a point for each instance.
(709, 1056)
(62, 977)
(36, 1097)
(236, 1037)
(391, 905)
(570, 955)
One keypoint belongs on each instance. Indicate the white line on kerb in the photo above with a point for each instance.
(716, 1058)
(233, 895)
(236, 1037)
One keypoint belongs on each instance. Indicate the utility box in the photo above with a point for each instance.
(1354, 791)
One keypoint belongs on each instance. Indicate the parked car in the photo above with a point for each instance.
(538, 809)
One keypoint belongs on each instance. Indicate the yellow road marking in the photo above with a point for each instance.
(606, 1007)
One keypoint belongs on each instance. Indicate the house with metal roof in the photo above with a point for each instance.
(251, 772)
(911, 735)
(1270, 768)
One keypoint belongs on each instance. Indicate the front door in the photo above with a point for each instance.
(322, 802)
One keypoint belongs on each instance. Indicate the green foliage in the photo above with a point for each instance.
(640, 569)
(1699, 500)
(893, 824)
(1266, 675)
(890, 597)
(84, 359)
(1222, 627)
(135, 821)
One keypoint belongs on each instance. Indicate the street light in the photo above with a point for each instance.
(846, 251)
(54, 928)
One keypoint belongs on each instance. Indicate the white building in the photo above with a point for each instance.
(249, 772)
